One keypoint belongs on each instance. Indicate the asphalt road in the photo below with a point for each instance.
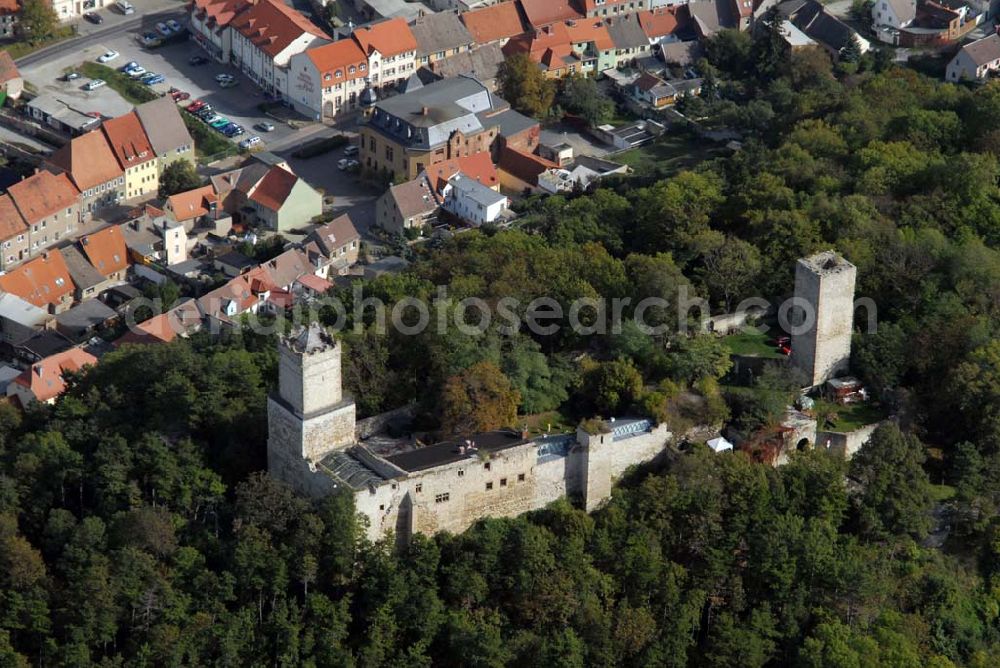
(130, 24)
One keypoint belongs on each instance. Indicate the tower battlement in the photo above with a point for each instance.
(825, 281)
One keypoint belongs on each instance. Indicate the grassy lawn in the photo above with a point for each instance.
(849, 417)
(669, 154)
(540, 422)
(942, 492)
(752, 344)
(21, 49)
(209, 145)
(124, 85)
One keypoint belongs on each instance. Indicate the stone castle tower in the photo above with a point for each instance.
(826, 282)
(309, 417)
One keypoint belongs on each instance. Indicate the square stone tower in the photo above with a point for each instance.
(825, 282)
(309, 417)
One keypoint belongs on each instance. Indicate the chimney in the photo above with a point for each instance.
(424, 111)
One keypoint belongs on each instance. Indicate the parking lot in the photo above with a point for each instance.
(240, 104)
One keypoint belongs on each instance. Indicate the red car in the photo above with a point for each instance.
(195, 106)
(179, 95)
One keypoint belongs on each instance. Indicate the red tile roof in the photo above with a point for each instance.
(272, 26)
(11, 223)
(237, 290)
(591, 5)
(191, 203)
(274, 188)
(88, 160)
(218, 13)
(42, 281)
(591, 30)
(389, 38)
(492, 24)
(43, 194)
(478, 166)
(524, 166)
(545, 12)
(9, 7)
(658, 23)
(128, 140)
(45, 377)
(315, 283)
(340, 57)
(8, 70)
(106, 250)
(551, 46)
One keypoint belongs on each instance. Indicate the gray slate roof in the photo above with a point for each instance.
(85, 316)
(83, 273)
(482, 63)
(439, 32)
(984, 50)
(162, 122)
(626, 33)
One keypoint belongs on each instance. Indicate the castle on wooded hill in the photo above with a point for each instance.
(314, 446)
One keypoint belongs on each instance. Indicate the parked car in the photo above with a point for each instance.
(264, 126)
(107, 56)
(233, 130)
(194, 106)
(220, 122)
(71, 76)
(137, 72)
(229, 83)
(350, 151)
(342, 164)
(150, 39)
(94, 84)
(180, 95)
(206, 113)
(163, 29)
(197, 59)
(173, 25)
(250, 142)
(128, 66)
(147, 75)
(152, 81)
(223, 76)
(94, 17)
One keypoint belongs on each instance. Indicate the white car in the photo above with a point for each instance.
(250, 141)
(350, 151)
(163, 29)
(220, 78)
(94, 84)
(107, 56)
(174, 25)
(136, 71)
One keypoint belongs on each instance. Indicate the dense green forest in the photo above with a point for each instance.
(136, 528)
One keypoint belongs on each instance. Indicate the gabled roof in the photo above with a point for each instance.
(45, 377)
(272, 26)
(88, 160)
(83, 273)
(43, 281)
(592, 31)
(658, 23)
(8, 7)
(340, 56)
(711, 16)
(43, 194)
(546, 12)
(981, 51)
(416, 197)
(389, 38)
(482, 63)
(439, 32)
(334, 235)
(8, 70)
(164, 127)
(217, 14)
(11, 223)
(192, 203)
(274, 188)
(905, 10)
(106, 250)
(287, 267)
(495, 23)
(128, 140)
(525, 166)
(236, 291)
(183, 318)
(478, 167)
(626, 32)
(315, 283)
(822, 26)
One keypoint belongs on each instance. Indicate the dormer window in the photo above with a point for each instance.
(353, 69)
(326, 77)
(339, 74)
(361, 67)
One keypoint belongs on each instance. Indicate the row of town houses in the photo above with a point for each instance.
(323, 76)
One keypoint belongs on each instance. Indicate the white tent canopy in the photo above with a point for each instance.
(719, 444)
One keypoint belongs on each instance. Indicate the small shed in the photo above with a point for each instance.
(719, 444)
